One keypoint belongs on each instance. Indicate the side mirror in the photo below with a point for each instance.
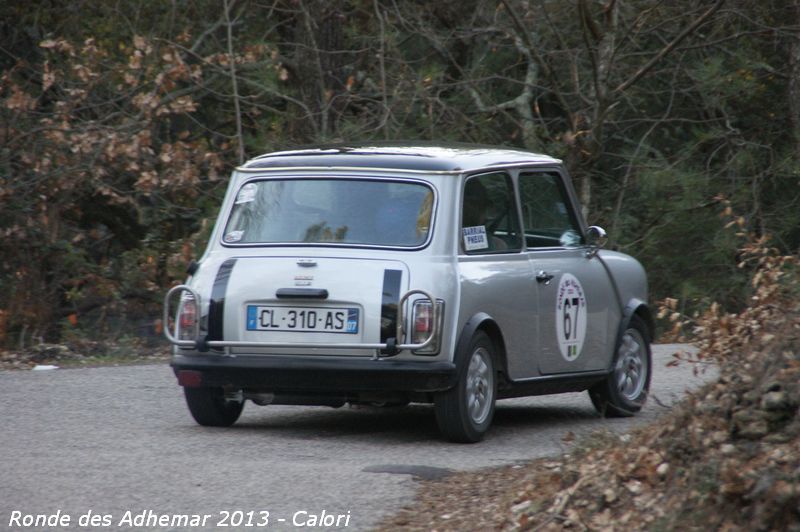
(596, 237)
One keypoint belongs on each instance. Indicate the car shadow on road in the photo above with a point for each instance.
(399, 424)
(410, 423)
(519, 416)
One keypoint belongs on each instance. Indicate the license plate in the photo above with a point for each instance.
(302, 319)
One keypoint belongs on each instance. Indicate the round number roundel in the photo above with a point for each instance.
(570, 317)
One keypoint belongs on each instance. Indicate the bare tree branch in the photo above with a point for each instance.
(668, 48)
(234, 82)
(382, 67)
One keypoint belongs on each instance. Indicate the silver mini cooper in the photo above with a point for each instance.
(452, 275)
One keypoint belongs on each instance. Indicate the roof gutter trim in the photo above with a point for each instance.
(458, 171)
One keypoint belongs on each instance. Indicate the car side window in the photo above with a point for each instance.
(489, 221)
(547, 215)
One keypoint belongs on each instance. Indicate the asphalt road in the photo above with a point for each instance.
(117, 443)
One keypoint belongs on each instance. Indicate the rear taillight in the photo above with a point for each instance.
(423, 326)
(187, 318)
(423, 321)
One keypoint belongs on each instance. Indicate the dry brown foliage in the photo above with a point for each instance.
(721, 335)
(103, 163)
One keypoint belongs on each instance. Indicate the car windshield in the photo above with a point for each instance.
(344, 211)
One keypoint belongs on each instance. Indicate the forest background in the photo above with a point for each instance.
(121, 120)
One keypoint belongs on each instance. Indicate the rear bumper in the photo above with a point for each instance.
(301, 374)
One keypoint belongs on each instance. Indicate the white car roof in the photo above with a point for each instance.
(411, 157)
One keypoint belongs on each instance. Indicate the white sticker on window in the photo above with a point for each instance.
(475, 238)
(571, 317)
(234, 236)
(247, 193)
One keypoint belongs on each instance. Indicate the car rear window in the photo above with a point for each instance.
(322, 211)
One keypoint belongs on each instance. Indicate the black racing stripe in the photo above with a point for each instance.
(391, 296)
(216, 307)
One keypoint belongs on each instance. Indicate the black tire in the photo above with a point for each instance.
(625, 390)
(464, 412)
(210, 407)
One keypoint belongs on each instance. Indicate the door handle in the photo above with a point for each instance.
(544, 277)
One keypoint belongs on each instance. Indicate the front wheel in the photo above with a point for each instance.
(464, 412)
(625, 390)
(211, 408)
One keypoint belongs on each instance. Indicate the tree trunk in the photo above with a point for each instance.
(794, 82)
(319, 59)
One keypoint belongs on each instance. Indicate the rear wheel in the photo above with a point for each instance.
(625, 390)
(464, 412)
(211, 408)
